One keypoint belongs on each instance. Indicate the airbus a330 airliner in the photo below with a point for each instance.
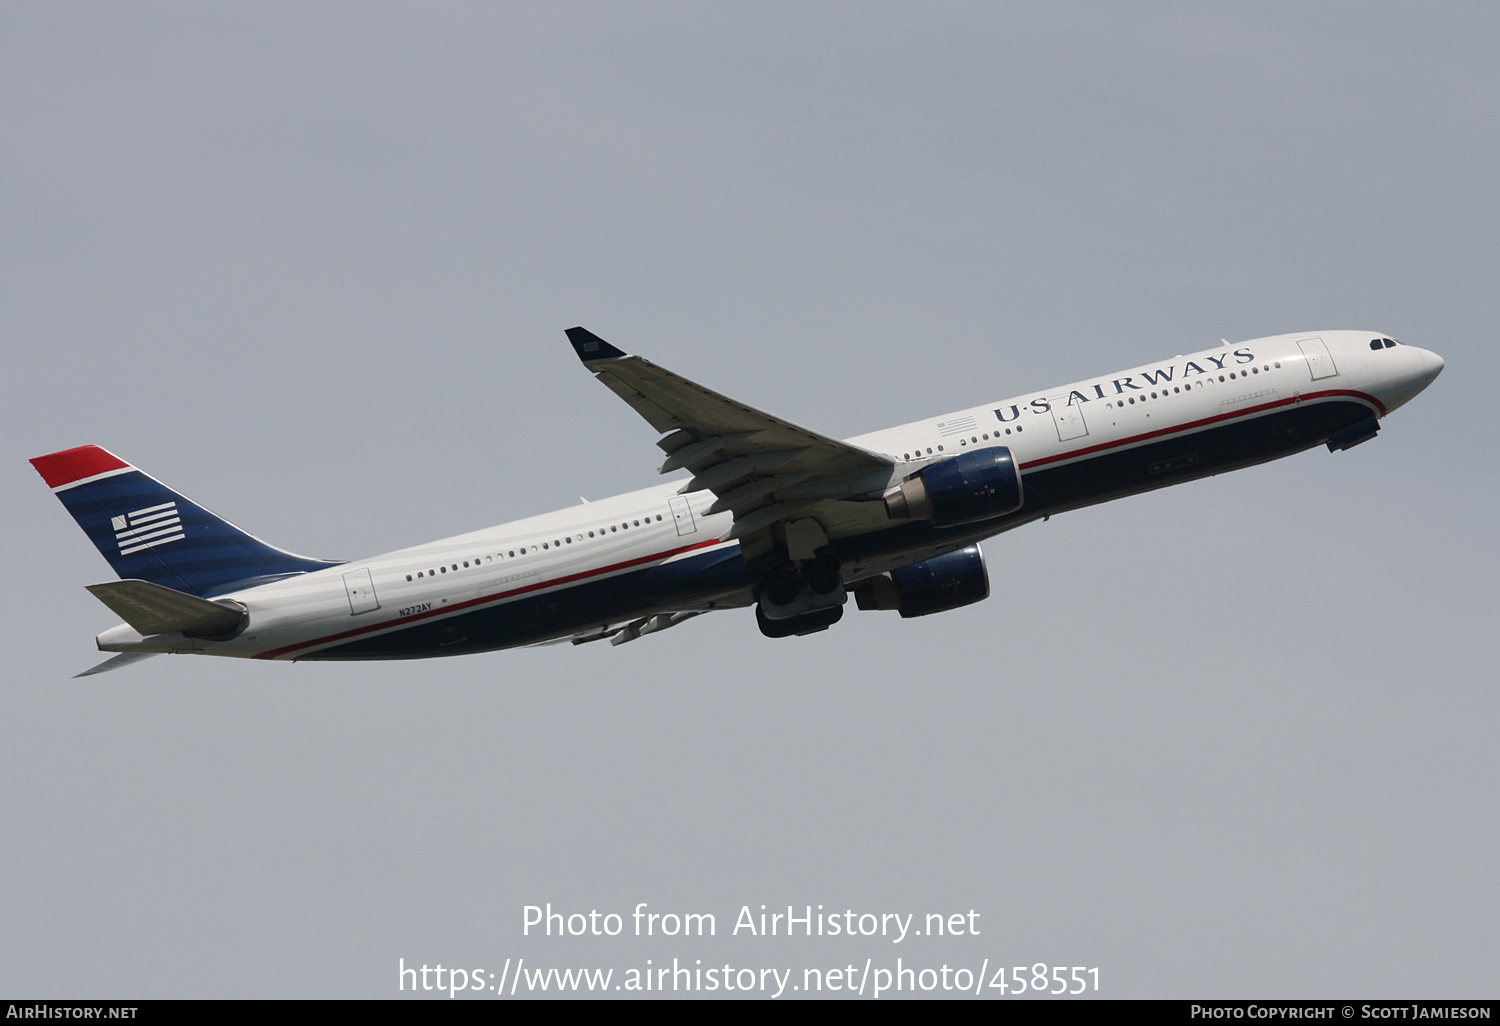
(774, 516)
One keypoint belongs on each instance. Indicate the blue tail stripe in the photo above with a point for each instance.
(210, 556)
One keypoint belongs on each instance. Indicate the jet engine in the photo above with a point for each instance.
(977, 485)
(932, 586)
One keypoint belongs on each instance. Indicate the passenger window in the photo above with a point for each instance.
(408, 577)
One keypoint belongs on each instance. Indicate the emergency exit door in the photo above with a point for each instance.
(1068, 419)
(682, 514)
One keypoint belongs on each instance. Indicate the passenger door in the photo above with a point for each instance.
(361, 591)
(1319, 362)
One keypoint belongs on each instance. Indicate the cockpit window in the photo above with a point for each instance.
(1391, 343)
(1375, 344)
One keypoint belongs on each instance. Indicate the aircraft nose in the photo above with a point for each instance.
(1409, 369)
(1433, 363)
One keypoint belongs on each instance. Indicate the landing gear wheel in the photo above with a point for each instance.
(823, 576)
(781, 589)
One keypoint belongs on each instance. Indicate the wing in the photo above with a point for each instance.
(784, 484)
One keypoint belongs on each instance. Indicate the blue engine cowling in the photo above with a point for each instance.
(977, 485)
(932, 586)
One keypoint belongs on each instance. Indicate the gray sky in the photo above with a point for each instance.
(310, 264)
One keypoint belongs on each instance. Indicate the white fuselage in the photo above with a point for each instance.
(594, 543)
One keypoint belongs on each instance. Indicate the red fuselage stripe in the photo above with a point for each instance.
(1193, 425)
(443, 610)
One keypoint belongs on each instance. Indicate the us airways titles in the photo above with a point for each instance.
(1154, 378)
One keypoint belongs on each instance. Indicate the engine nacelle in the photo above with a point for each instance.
(932, 586)
(977, 485)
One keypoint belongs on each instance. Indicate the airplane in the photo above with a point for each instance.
(774, 516)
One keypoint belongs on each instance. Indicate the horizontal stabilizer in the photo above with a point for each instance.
(115, 662)
(153, 609)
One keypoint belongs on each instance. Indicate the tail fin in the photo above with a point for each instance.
(148, 532)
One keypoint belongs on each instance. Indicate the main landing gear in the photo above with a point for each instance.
(801, 598)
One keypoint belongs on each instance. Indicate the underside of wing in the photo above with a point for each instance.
(786, 486)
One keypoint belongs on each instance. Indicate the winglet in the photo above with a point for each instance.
(590, 347)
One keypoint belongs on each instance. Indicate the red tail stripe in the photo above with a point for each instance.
(63, 468)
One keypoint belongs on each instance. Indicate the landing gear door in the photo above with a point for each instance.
(1319, 362)
(1069, 419)
(682, 515)
(361, 591)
